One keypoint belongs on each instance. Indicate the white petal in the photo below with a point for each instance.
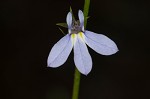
(100, 43)
(69, 21)
(82, 57)
(81, 19)
(60, 52)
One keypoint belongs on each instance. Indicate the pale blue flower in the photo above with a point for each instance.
(76, 39)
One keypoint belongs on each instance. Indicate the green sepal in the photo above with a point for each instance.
(62, 25)
(72, 14)
(61, 31)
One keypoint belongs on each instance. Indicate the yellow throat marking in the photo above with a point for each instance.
(73, 35)
(81, 34)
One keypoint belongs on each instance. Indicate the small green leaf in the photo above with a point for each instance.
(62, 25)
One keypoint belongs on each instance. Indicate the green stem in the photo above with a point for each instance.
(76, 84)
(86, 11)
(77, 74)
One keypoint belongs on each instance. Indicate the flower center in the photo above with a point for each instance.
(76, 28)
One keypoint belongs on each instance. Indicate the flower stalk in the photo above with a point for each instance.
(76, 84)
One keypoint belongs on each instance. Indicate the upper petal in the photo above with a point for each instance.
(100, 43)
(69, 20)
(82, 57)
(81, 19)
(60, 52)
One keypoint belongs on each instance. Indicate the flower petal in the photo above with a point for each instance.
(82, 57)
(100, 43)
(81, 19)
(69, 21)
(60, 52)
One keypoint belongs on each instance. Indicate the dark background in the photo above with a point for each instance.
(28, 32)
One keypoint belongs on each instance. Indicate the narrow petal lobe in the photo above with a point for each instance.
(82, 57)
(60, 52)
(81, 19)
(69, 21)
(100, 43)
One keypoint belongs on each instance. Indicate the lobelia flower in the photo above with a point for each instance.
(76, 39)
